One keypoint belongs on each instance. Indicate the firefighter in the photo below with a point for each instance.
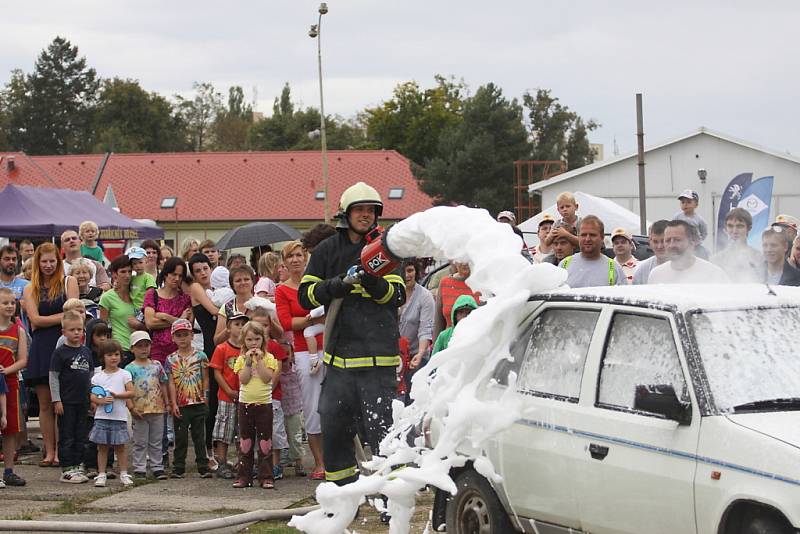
(361, 345)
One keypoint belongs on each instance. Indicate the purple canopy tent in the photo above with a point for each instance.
(41, 212)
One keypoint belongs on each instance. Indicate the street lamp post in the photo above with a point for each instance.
(316, 33)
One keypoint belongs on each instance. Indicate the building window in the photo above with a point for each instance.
(319, 195)
(168, 202)
(396, 192)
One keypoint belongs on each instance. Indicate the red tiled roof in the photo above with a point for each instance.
(72, 172)
(254, 185)
(25, 171)
(227, 186)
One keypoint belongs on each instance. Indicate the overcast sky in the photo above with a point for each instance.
(732, 66)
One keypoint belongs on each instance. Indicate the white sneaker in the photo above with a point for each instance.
(100, 480)
(126, 480)
(73, 477)
(2, 483)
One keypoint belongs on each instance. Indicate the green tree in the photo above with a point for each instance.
(474, 161)
(413, 120)
(232, 125)
(579, 151)
(50, 110)
(129, 119)
(558, 133)
(277, 132)
(199, 113)
(291, 129)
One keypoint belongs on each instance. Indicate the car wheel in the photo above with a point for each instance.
(475, 509)
(767, 524)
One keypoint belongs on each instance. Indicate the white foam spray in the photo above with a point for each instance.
(446, 388)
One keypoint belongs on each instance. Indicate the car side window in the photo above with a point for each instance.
(556, 352)
(640, 351)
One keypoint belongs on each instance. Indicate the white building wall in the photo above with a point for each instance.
(673, 168)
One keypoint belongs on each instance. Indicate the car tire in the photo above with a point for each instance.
(475, 508)
(767, 524)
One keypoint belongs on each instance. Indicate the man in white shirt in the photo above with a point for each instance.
(683, 266)
(659, 257)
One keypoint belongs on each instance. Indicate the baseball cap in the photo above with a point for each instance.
(547, 218)
(787, 220)
(181, 324)
(621, 232)
(139, 335)
(690, 194)
(507, 215)
(238, 315)
(136, 253)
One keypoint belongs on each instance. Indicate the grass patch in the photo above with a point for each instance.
(227, 511)
(27, 515)
(76, 505)
(308, 501)
(270, 527)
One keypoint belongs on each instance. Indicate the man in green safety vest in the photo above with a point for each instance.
(591, 268)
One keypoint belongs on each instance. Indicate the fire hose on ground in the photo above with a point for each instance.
(131, 528)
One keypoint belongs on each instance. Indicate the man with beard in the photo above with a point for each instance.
(71, 245)
(8, 278)
(361, 344)
(683, 267)
(656, 236)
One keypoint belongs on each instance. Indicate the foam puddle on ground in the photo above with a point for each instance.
(446, 388)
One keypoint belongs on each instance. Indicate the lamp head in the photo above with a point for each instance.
(701, 173)
(313, 32)
(323, 8)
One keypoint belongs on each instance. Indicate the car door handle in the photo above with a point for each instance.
(598, 452)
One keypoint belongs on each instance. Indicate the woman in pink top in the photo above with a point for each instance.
(309, 367)
(164, 306)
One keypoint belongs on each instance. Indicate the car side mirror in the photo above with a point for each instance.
(662, 399)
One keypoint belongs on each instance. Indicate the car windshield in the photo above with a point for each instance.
(750, 357)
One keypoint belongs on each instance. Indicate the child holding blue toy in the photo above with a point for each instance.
(110, 388)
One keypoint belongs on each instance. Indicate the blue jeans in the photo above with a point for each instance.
(72, 433)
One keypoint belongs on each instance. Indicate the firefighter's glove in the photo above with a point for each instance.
(375, 286)
(337, 287)
(353, 275)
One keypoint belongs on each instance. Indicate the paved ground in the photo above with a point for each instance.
(170, 501)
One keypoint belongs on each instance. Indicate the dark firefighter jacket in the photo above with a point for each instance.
(365, 332)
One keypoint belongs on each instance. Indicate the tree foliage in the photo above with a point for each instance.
(462, 147)
(129, 119)
(298, 129)
(199, 114)
(50, 110)
(473, 163)
(557, 132)
(232, 124)
(413, 120)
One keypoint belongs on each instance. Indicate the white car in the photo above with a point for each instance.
(648, 409)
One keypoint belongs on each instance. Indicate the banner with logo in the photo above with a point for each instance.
(730, 199)
(756, 199)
